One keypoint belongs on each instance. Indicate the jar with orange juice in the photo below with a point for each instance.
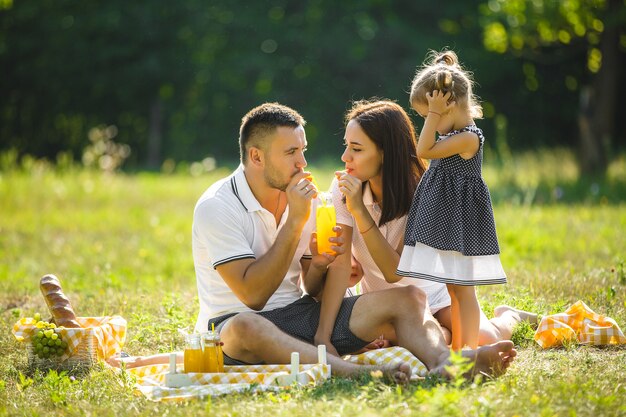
(213, 358)
(193, 360)
(326, 219)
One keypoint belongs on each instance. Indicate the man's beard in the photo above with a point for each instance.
(272, 178)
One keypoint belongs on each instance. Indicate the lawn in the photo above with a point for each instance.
(121, 245)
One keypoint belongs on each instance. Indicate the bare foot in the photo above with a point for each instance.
(398, 372)
(520, 314)
(492, 360)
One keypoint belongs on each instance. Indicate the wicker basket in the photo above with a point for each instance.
(84, 357)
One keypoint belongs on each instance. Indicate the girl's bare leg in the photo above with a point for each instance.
(466, 314)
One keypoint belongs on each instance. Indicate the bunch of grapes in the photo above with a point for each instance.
(47, 341)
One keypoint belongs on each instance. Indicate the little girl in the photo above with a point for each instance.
(451, 234)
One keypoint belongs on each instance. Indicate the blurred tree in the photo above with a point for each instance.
(583, 42)
(175, 78)
(72, 65)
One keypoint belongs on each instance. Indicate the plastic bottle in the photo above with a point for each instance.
(326, 219)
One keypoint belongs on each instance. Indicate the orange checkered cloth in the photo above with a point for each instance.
(580, 323)
(150, 380)
(110, 332)
(389, 355)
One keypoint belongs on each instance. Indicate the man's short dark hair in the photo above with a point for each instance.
(263, 120)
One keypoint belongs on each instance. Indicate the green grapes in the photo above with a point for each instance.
(47, 341)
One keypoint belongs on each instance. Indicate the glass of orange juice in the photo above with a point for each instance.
(326, 219)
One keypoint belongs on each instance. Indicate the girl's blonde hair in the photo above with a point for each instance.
(444, 73)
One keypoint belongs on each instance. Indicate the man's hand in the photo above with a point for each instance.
(300, 192)
(321, 261)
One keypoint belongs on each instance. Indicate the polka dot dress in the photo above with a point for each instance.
(451, 233)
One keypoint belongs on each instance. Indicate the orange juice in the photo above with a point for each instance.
(220, 357)
(193, 360)
(326, 219)
(212, 352)
(210, 358)
(193, 354)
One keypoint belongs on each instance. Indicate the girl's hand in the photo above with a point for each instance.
(352, 188)
(438, 102)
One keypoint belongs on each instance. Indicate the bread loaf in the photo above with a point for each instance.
(58, 304)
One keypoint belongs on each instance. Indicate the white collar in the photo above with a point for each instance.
(243, 192)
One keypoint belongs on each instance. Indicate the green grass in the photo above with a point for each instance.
(121, 245)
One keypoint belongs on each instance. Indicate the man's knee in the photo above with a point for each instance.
(415, 297)
(403, 299)
(241, 326)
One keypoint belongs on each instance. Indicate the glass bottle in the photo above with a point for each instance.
(220, 354)
(193, 354)
(210, 362)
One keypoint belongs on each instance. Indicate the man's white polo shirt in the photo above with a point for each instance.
(230, 224)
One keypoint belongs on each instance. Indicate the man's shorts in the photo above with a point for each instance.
(300, 320)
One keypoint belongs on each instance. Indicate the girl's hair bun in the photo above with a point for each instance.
(446, 58)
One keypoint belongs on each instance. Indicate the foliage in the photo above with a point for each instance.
(175, 78)
(570, 51)
(103, 153)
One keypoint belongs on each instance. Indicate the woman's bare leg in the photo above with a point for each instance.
(491, 330)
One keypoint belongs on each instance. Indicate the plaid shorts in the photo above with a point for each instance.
(300, 320)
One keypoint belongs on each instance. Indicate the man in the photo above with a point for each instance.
(252, 240)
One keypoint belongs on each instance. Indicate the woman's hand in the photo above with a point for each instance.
(378, 343)
(352, 188)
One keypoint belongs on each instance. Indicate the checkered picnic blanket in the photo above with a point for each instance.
(388, 355)
(110, 333)
(150, 380)
(580, 323)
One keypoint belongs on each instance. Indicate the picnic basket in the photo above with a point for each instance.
(84, 357)
(98, 338)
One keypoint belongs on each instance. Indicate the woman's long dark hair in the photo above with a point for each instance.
(390, 128)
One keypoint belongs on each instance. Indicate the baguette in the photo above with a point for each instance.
(58, 304)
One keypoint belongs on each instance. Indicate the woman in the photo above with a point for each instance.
(372, 197)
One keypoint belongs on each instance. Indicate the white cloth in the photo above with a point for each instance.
(229, 224)
(393, 231)
(450, 267)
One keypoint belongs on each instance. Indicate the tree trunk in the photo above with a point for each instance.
(155, 135)
(596, 119)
